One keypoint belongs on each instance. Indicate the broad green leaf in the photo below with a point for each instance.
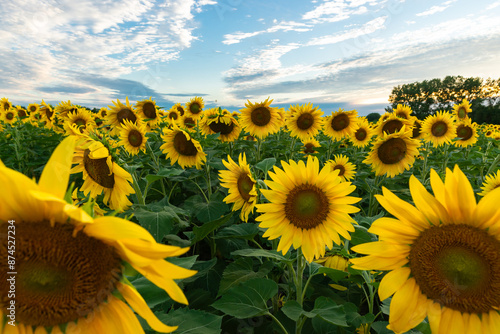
(266, 164)
(249, 299)
(293, 310)
(329, 311)
(206, 212)
(361, 235)
(243, 231)
(200, 232)
(240, 271)
(192, 321)
(262, 253)
(158, 223)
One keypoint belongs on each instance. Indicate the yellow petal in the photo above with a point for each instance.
(163, 282)
(383, 248)
(55, 175)
(434, 314)
(432, 209)
(110, 229)
(407, 309)
(402, 210)
(135, 300)
(437, 187)
(392, 282)
(371, 262)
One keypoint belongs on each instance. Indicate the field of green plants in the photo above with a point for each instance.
(270, 206)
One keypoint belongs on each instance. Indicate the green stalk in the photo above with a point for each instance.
(137, 190)
(298, 287)
(278, 322)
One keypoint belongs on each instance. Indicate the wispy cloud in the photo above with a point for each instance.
(338, 10)
(436, 9)
(281, 26)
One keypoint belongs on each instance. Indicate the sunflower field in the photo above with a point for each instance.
(142, 219)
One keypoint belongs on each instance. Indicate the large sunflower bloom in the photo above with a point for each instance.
(393, 124)
(341, 124)
(391, 154)
(133, 137)
(147, 109)
(221, 122)
(310, 146)
(304, 121)
(180, 147)
(466, 133)
(70, 267)
(443, 255)
(402, 111)
(241, 184)
(120, 112)
(363, 133)
(102, 175)
(347, 169)
(33, 107)
(439, 129)
(462, 110)
(195, 107)
(82, 118)
(260, 119)
(308, 208)
(9, 116)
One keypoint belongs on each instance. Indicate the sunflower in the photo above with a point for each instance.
(63, 108)
(491, 182)
(195, 107)
(402, 111)
(466, 133)
(5, 104)
(120, 112)
(217, 120)
(47, 113)
(180, 147)
(173, 115)
(22, 113)
(363, 134)
(443, 256)
(260, 119)
(347, 169)
(33, 107)
(9, 116)
(187, 122)
(308, 208)
(147, 109)
(241, 184)
(310, 146)
(102, 175)
(179, 108)
(341, 124)
(133, 137)
(439, 129)
(462, 109)
(417, 129)
(70, 266)
(391, 154)
(304, 121)
(82, 118)
(392, 124)
(35, 118)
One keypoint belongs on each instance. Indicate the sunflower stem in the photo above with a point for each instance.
(445, 159)
(259, 143)
(292, 147)
(298, 288)
(278, 322)
(493, 165)
(424, 172)
(373, 190)
(201, 190)
(138, 192)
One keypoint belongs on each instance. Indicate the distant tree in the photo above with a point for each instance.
(429, 96)
(373, 117)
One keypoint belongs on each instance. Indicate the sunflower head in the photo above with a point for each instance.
(5, 104)
(119, 112)
(195, 107)
(363, 133)
(309, 146)
(180, 147)
(9, 116)
(462, 110)
(402, 111)
(346, 170)
(302, 200)
(63, 108)
(82, 119)
(392, 154)
(260, 119)
(443, 256)
(341, 124)
(304, 121)
(439, 129)
(148, 110)
(133, 137)
(392, 124)
(466, 133)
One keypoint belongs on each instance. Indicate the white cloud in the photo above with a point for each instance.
(436, 9)
(493, 5)
(338, 10)
(367, 28)
(238, 36)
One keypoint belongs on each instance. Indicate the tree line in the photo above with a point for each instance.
(429, 96)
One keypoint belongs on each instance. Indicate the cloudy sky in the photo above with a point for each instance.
(333, 53)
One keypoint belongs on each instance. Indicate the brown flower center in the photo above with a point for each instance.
(439, 129)
(135, 138)
(340, 122)
(149, 110)
(195, 108)
(361, 134)
(184, 146)
(341, 168)
(180, 110)
(461, 112)
(98, 170)
(124, 114)
(305, 121)
(261, 116)
(464, 132)
(392, 151)
(309, 148)
(416, 130)
(306, 206)
(245, 186)
(221, 127)
(60, 278)
(392, 126)
(458, 266)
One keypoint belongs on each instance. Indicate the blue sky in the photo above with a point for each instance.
(338, 53)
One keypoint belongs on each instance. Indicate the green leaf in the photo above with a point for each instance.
(266, 164)
(200, 232)
(293, 310)
(210, 211)
(334, 274)
(247, 300)
(329, 311)
(158, 224)
(243, 231)
(152, 294)
(186, 262)
(361, 236)
(192, 321)
(262, 253)
(240, 271)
